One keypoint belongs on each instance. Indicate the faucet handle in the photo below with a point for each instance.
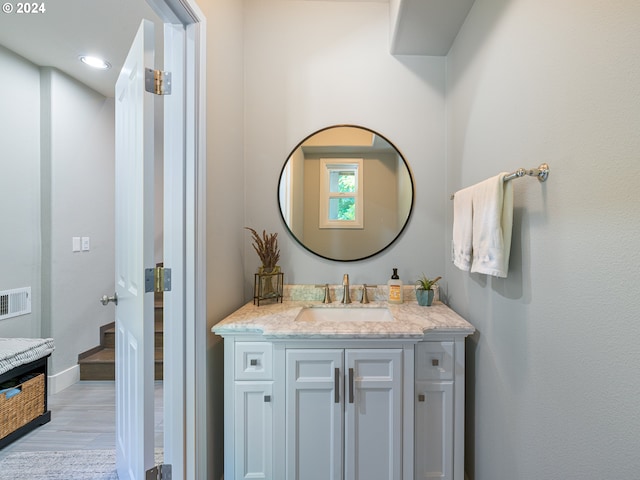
(327, 294)
(365, 297)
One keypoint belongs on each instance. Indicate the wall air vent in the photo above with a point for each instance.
(15, 302)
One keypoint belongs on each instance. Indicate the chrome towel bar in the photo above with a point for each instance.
(542, 172)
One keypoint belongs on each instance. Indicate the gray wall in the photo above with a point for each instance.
(57, 150)
(553, 385)
(20, 263)
(309, 65)
(225, 199)
(78, 200)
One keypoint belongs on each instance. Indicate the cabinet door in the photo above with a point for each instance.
(253, 430)
(314, 418)
(434, 430)
(373, 414)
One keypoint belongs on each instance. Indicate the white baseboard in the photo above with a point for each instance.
(64, 379)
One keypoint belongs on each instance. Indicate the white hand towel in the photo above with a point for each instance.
(461, 246)
(492, 225)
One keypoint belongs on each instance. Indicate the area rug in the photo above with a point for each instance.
(63, 465)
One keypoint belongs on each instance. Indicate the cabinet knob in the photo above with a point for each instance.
(421, 398)
(267, 398)
(253, 362)
(435, 362)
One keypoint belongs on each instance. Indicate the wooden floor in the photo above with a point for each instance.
(83, 418)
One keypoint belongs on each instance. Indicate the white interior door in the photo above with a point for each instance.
(133, 253)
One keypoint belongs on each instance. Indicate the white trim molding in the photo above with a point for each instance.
(63, 379)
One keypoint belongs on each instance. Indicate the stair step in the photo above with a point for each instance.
(100, 365)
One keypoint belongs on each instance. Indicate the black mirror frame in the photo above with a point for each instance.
(413, 189)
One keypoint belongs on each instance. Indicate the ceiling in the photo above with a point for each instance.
(70, 28)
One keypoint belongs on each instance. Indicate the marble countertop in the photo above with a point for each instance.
(278, 320)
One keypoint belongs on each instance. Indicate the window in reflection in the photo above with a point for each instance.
(341, 193)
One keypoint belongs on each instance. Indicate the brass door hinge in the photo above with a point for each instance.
(157, 279)
(157, 82)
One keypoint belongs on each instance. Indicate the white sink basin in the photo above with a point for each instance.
(346, 314)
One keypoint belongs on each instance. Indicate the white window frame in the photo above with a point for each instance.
(328, 165)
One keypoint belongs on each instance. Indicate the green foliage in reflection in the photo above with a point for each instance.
(346, 209)
(347, 183)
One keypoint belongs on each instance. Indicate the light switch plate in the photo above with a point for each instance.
(86, 244)
(75, 244)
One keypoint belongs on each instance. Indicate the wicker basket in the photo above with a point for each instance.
(23, 407)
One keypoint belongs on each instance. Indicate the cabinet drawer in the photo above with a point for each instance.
(254, 361)
(434, 361)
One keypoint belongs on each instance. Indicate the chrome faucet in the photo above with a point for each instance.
(346, 298)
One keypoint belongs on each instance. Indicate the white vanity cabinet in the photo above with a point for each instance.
(434, 410)
(252, 420)
(344, 414)
(350, 402)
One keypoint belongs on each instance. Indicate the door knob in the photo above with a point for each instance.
(105, 299)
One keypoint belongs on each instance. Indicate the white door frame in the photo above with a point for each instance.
(185, 380)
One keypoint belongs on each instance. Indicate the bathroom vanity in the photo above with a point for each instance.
(334, 391)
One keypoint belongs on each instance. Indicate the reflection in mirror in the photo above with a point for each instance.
(345, 193)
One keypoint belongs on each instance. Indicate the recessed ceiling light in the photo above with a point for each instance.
(95, 62)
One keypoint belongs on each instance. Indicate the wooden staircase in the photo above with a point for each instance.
(99, 363)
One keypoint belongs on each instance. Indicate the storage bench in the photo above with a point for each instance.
(23, 383)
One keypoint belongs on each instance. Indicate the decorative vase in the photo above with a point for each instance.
(269, 270)
(424, 297)
(268, 284)
(266, 278)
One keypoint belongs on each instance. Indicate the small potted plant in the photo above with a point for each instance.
(424, 290)
(267, 249)
(266, 246)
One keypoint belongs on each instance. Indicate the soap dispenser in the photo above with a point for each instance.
(396, 294)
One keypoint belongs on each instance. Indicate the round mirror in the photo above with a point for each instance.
(345, 193)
